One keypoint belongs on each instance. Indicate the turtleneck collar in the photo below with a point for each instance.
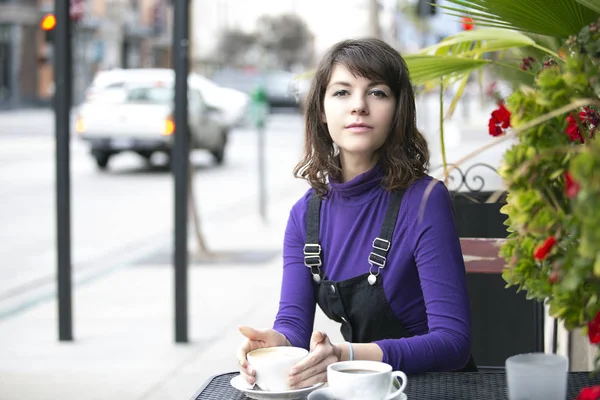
(360, 189)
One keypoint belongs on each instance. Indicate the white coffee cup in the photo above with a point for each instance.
(363, 380)
(273, 366)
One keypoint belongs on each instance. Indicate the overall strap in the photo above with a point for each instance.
(312, 248)
(381, 244)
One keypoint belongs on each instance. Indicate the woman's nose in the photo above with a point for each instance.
(359, 105)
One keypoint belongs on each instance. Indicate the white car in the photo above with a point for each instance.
(233, 105)
(138, 117)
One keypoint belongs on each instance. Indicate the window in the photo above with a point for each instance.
(150, 95)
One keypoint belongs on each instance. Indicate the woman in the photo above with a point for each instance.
(373, 242)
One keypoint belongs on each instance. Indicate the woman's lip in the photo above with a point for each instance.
(361, 128)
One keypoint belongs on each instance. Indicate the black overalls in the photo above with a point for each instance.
(359, 303)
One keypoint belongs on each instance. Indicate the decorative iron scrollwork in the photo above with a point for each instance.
(469, 178)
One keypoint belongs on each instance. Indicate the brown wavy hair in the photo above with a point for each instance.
(404, 156)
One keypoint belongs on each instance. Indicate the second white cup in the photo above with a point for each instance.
(364, 380)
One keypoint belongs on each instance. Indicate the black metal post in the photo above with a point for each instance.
(180, 161)
(62, 108)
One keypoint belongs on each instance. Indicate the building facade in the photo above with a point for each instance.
(18, 58)
(108, 34)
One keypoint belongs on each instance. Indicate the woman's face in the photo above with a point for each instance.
(358, 113)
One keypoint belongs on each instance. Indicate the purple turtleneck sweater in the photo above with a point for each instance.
(423, 280)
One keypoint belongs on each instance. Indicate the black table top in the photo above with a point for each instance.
(439, 385)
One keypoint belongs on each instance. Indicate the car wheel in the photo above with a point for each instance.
(219, 153)
(147, 156)
(102, 159)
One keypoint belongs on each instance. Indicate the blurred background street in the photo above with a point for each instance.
(127, 208)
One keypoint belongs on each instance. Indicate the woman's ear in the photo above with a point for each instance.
(324, 118)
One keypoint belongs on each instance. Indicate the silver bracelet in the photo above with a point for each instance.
(350, 352)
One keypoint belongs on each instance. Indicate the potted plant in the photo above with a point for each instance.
(552, 172)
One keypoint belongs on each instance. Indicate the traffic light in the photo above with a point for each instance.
(48, 23)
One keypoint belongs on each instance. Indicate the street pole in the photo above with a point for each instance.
(180, 161)
(374, 19)
(62, 108)
(259, 113)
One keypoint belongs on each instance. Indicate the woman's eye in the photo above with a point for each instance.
(340, 93)
(378, 93)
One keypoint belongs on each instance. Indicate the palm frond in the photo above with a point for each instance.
(557, 18)
(459, 94)
(515, 78)
(591, 4)
(487, 40)
(426, 68)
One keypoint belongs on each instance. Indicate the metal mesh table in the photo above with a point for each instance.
(444, 386)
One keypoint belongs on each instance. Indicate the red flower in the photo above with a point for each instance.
(594, 330)
(499, 121)
(589, 393)
(573, 129)
(571, 186)
(526, 65)
(587, 117)
(502, 115)
(541, 252)
(467, 23)
(550, 63)
(494, 129)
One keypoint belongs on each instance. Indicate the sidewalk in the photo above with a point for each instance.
(17, 122)
(14, 116)
(124, 324)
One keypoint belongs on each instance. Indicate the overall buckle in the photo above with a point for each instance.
(376, 259)
(312, 249)
(381, 244)
(312, 255)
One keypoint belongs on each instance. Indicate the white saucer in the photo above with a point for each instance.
(325, 394)
(240, 384)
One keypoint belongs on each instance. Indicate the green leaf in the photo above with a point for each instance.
(556, 18)
(597, 266)
(556, 174)
(458, 95)
(593, 300)
(591, 4)
(493, 39)
(424, 68)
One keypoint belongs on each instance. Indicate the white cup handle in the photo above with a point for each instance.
(398, 374)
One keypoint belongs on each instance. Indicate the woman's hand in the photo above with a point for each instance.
(313, 369)
(256, 339)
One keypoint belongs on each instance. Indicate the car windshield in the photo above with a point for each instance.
(149, 95)
(113, 93)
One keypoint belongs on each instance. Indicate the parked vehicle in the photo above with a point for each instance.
(138, 117)
(233, 105)
(277, 84)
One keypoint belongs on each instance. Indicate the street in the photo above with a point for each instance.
(123, 213)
